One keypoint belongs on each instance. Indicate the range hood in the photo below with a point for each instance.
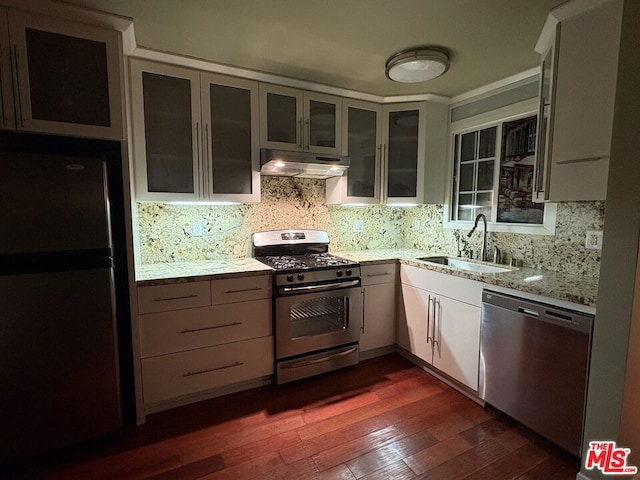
(301, 164)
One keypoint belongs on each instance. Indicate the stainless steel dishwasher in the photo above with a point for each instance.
(534, 360)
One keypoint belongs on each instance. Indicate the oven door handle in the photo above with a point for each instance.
(322, 288)
(305, 363)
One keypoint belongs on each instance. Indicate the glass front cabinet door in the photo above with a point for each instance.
(362, 142)
(293, 119)
(66, 76)
(404, 153)
(195, 135)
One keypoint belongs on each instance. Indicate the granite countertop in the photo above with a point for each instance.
(555, 285)
(179, 272)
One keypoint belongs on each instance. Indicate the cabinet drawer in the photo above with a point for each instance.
(240, 289)
(171, 376)
(375, 274)
(458, 288)
(176, 296)
(168, 332)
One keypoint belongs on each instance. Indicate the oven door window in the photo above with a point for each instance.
(314, 321)
(318, 316)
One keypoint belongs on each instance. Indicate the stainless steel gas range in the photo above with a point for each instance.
(317, 303)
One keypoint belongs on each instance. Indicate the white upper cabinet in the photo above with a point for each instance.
(579, 72)
(292, 119)
(397, 151)
(195, 135)
(60, 77)
(362, 142)
(403, 148)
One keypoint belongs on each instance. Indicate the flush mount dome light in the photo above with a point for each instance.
(417, 64)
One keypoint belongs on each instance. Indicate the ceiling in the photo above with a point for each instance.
(344, 43)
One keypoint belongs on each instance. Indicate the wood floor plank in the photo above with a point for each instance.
(368, 411)
(553, 468)
(340, 472)
(302, 469)
(436, 408)
(246, 452)
(460, 466)
(307, 448)
(439, 453)
(389, 454)
(395, 471)
(191, 471)
(342, 453)
(264, 431)
(450, 426)
(260, 467)
(512, 466)
(514, 438)
(337, 406)
(486, 430)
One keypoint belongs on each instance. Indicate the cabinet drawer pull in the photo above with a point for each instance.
(209, 370)
(252, 289)
(378, 274)
(183, 297)
(213, 327)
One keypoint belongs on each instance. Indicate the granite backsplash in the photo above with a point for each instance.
(165, 230)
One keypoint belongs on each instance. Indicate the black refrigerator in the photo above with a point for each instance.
(59, 375)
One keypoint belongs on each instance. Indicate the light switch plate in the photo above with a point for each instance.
(358, 226)
(593, 240)
(197, 229)
(416, 225)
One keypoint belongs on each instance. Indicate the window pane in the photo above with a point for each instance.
(468, 149)
(465, 208)
(485, 175)
(484, 200)
(231, 139)
(361, 175)
(281, 118)
(467, 176)
(322, 124)
(168, 133)
(515, 203)
(488, 142)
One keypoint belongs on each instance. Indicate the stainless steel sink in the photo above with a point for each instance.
(461, 264)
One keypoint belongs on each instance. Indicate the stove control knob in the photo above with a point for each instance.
(339, 273)
(289, 278)
(348, 272)
(300, 277)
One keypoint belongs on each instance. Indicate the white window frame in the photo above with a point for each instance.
(496, 118)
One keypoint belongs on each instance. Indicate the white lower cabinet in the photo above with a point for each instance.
(379, 311)
(439, 322)
(169, 376)
(201, 336)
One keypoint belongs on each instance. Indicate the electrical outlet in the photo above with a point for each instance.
(416, 225)
(358, 226)
(197, 229)
(594, 240)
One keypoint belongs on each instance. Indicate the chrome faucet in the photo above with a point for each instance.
(483, 251)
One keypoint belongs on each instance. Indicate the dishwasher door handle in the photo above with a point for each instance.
(526, 311)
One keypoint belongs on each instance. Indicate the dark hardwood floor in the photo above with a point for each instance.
(383, 419)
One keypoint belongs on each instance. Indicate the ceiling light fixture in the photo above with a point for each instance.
(417, 64)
